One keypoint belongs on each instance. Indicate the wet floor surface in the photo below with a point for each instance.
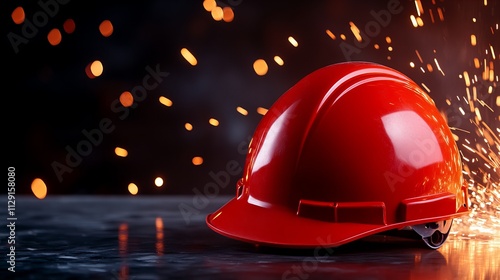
(112, 237)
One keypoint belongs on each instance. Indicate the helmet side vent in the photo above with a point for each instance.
(371, 212)
(422, 207)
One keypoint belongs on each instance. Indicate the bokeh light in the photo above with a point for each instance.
(473, 41)
(106, 28)
(158, 182)
(242, 110)
(165, 101)
(355, 31)
(330, 34)
(278, 60)
(293, 41)
(189, 57)
(213, 122)
(18, 15)
(54, 37)
(209, 5)
(262, 110)
(126, 99)
(228, 14)
(69, 26)
(260, 67)
(217, 13)
(94, 69)
(121, 152)
(197, 160)
(39, 188)
(133, 189)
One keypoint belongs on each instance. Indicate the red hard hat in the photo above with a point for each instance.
(353, 149)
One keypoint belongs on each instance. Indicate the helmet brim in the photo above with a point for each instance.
(279, 227)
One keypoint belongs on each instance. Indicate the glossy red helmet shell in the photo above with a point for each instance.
(353, 149)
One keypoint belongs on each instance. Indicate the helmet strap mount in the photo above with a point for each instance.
(434, 234)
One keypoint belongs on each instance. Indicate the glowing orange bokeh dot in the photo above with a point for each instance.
(165, 101)
(227, 14)
(96, 68)
(262, 110)
(121, 152)
(18, 15)
(69, 26)
(189, 57)
(260, 67)
(209, 5)
(39, 188)
(213, 122)
(126, 99)
(106, 28)
(133, 189)
(197, 160)
(242, 110)
(54, 37)
(217, 13)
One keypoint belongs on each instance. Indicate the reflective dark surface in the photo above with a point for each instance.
(90, 237)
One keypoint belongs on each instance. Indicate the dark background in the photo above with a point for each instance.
(49, 99)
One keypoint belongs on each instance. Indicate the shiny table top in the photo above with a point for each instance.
(165, 237)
